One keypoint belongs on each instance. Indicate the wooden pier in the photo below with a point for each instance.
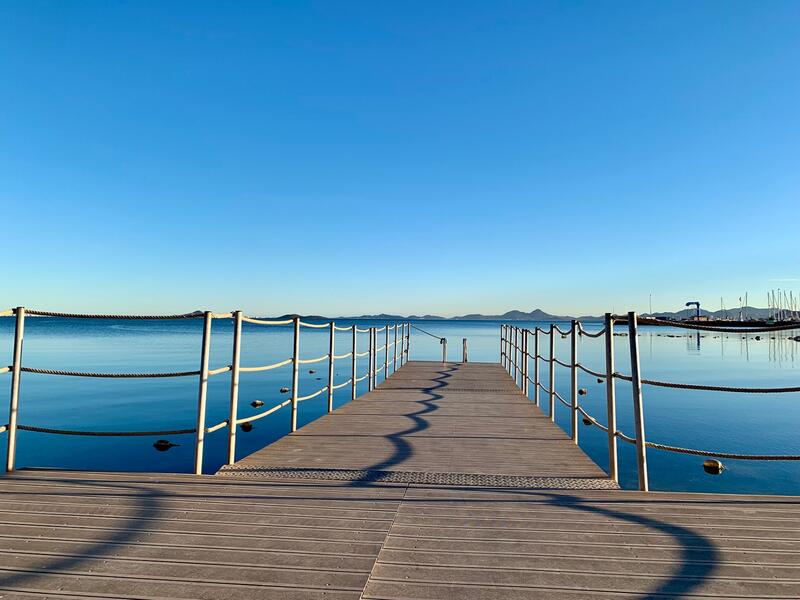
(445, 481)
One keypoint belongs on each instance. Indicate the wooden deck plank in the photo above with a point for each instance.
(451, 542)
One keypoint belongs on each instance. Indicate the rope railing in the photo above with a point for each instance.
(420, 329)
(311, 361)
(590, 371)
(314, 325)
(343, 384)
(712, 388)
(263, 414)
(105, 433)
(594, 334)
(314, 395)
(108, 375)
(276, 365)
(205, 372)
(515, 355)
(267, 321)
(63, 315)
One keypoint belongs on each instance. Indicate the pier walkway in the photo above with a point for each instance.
(444, 482)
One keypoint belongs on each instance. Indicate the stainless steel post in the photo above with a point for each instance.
(638, 412)
(386, 355)
(355, 361)
(233, 408)
(202, 394)
(536, 366)
(611, 400)
(331, 360)
(552, 372)
(574, 379)
(295, 372)
(16, 372)
(394, 348)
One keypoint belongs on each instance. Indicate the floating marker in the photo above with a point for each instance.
(582, 392)
(256, 403)
(713, 467)
(163, 445)
(600, 380)
(587, 421)
(284, 390)
(311, 371)
(246, 426)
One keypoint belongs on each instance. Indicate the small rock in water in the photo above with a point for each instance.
(246, 426)
(163, 445)
(256, 403)
(582, 392)
(284, 390)
(713, 467)
(311, 371)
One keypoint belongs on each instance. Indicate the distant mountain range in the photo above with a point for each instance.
(540, 315)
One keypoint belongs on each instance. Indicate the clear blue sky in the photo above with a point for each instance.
(352, 157)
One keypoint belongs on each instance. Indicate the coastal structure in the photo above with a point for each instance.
(445, 480)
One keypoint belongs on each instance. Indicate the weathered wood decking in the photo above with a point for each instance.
(365, 528)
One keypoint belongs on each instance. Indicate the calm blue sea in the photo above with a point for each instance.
(749, 423)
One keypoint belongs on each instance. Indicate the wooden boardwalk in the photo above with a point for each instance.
(438, 423)
(443, 483)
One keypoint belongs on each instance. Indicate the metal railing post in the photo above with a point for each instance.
(638, 412)
(331, 360)
(502, 345)
(295, 372)
(465, 349)
(371, 378)
(234, 398)
(507, 349)
(444, 350)
(574, 379)
(525, 362)
(408, 341)
(611, 401)
(536, 366)
(16, 372)
(394, 348)
(386, 356)
(355, 362)
(552, 372)
(514, 354)
(202, 394)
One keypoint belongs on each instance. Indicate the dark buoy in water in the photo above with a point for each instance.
(163, 445)
(256, 403)
(587, 421)
(284, 390)
(713, 466)
(600, 380)
(757, 338)
(311, 371)
(582, 392)
(246, 426)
